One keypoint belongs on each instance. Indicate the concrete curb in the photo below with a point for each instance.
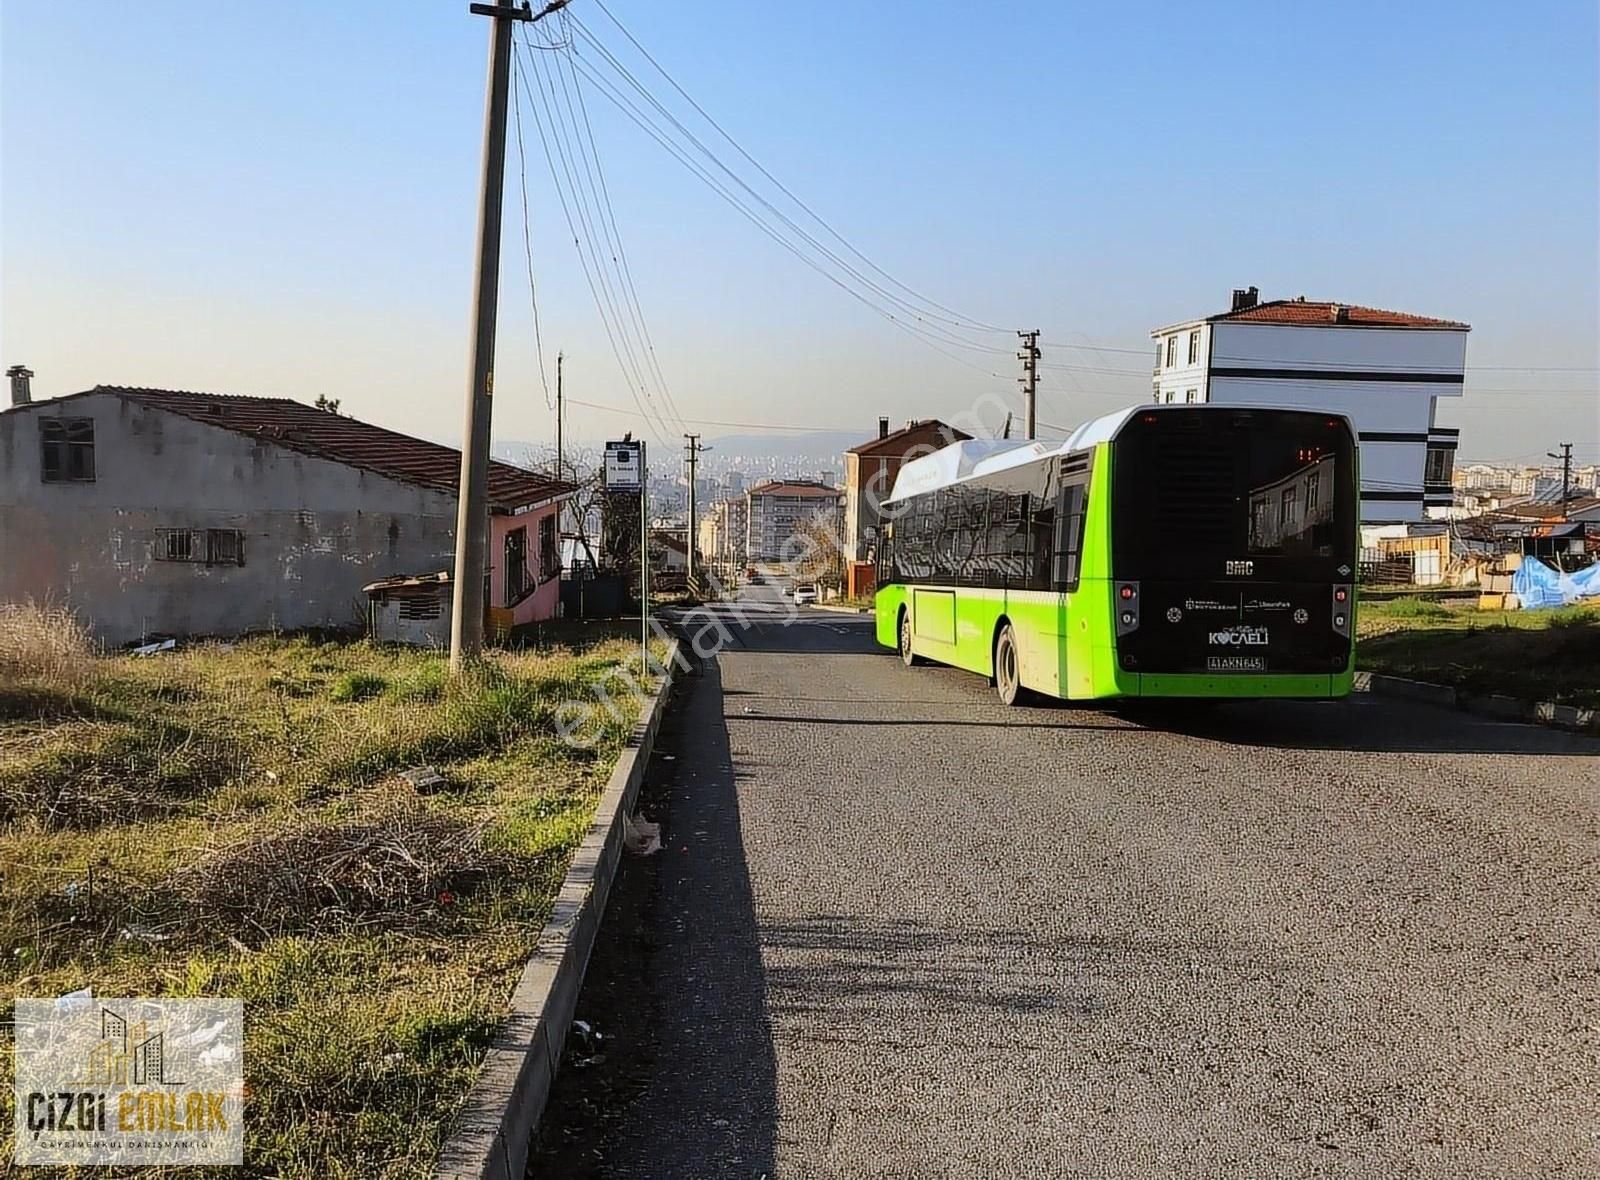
(842, 610)
(1492, 705)
(491, 1137)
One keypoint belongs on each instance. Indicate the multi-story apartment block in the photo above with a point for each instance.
(1385, 370)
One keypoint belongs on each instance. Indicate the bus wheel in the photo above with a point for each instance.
(1007, 681)
(906, 656)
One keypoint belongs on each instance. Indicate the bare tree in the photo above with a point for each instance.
(819, 551)
(582, 515)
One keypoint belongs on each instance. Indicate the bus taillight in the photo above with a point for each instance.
(1128, 611)
(1341, 609)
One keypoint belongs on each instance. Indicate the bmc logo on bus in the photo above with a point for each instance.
(1238, 569)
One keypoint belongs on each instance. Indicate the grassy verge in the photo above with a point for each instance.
(1543, 655)
(854, 603)
(229, 820)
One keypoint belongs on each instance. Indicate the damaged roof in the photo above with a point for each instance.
(327, 435)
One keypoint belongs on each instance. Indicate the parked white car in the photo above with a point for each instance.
(804, 594)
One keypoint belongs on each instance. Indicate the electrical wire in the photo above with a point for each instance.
(715, 422)
(582, 200)
(594, 291)
(621, 256)
(527, 241)
(642, 121)
(956, 319)
(941, 333)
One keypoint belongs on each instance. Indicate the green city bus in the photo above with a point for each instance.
(1159, 552)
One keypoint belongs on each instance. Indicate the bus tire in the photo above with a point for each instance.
(903, 633)
(1007, 676)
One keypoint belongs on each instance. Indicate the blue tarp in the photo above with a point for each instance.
(1536, 585)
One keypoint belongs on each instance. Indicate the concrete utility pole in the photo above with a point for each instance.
(472, 512)
(560, 470)
(1566, 473)
(691, 450)
(1029, 356)
(644, 562)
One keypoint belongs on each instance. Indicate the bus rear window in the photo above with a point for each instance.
(1198, 489)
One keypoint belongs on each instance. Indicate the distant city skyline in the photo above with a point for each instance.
(236, 206)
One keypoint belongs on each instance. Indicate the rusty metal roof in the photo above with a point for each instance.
(408, 582)
(325, 435)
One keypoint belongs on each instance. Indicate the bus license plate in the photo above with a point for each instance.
(1237, 663)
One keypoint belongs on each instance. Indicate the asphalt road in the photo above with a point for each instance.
(898, 930)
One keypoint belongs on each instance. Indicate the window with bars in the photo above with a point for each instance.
(175, 545)
(201, 546)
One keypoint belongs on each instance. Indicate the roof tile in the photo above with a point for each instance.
(793, 488)
(299, 427)
(1301, 311)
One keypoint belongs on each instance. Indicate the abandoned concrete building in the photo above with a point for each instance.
(157, 512)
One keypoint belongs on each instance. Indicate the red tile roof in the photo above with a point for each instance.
(325, 435)
(1301, 311)
(793, 488)
(897, 438)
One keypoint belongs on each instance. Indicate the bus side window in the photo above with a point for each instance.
(1069, 537)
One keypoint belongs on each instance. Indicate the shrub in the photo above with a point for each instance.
(426, 684)
(357, 686)
(43, 643)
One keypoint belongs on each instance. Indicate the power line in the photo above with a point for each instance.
(642, 121)
(594, 290)
(616, 234)
(958, 319)
(527, 237)
(922, 325)
(582, 200)
(572, 401)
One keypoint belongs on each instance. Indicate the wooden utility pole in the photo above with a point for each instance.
(1029, 356)
(561, 471)
(472, 510)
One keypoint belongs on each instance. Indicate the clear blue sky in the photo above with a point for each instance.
(280, 198)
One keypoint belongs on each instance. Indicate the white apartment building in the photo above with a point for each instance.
(1385, 370)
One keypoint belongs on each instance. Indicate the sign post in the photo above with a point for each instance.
(644, 565)
(624, 475)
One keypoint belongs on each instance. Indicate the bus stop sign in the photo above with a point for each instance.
(624, 466)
